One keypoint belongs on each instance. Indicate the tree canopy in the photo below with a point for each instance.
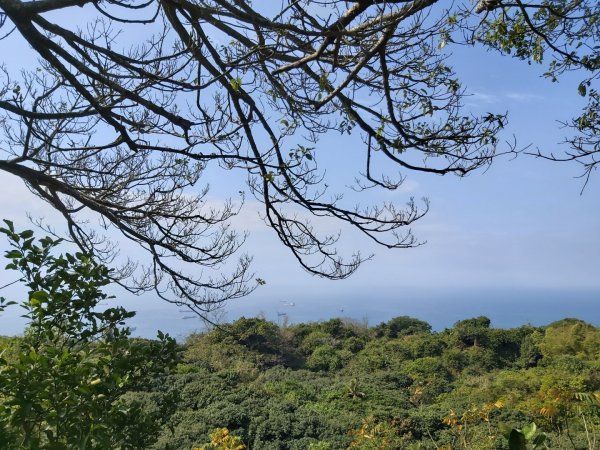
(126, 112)
(63, 384)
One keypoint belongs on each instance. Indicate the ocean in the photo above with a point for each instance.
(442, 309)
(506, 308)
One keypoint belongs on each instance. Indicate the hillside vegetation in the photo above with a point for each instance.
(339, 384)
(331, 385)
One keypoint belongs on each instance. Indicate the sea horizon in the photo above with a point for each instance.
(506, 308)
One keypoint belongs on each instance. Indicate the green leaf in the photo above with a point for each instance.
(26, 234)
(14, 254)
(10, 225)
(529, 430)
(538, 440)
(236, 83)
(582, 90)
(41, 296)
(516, 440)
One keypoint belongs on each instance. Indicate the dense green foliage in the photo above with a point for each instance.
(339, 384)
(76, 379)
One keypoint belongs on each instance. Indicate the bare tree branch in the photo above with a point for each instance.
(124, 131)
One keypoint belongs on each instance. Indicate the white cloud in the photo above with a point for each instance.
(523, 97)
(408, 186)
(483, 98)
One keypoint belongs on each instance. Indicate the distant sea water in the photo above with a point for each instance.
(506, 308)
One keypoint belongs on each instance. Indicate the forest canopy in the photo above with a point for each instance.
(128, 109)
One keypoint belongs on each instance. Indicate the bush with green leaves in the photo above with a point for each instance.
(66, 385)
(402, 326)
(526, 438)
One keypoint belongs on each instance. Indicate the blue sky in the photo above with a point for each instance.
(521, 225)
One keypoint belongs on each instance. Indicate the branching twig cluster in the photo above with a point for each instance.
(126, 131)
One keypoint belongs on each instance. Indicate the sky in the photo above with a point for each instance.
(522, 227)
